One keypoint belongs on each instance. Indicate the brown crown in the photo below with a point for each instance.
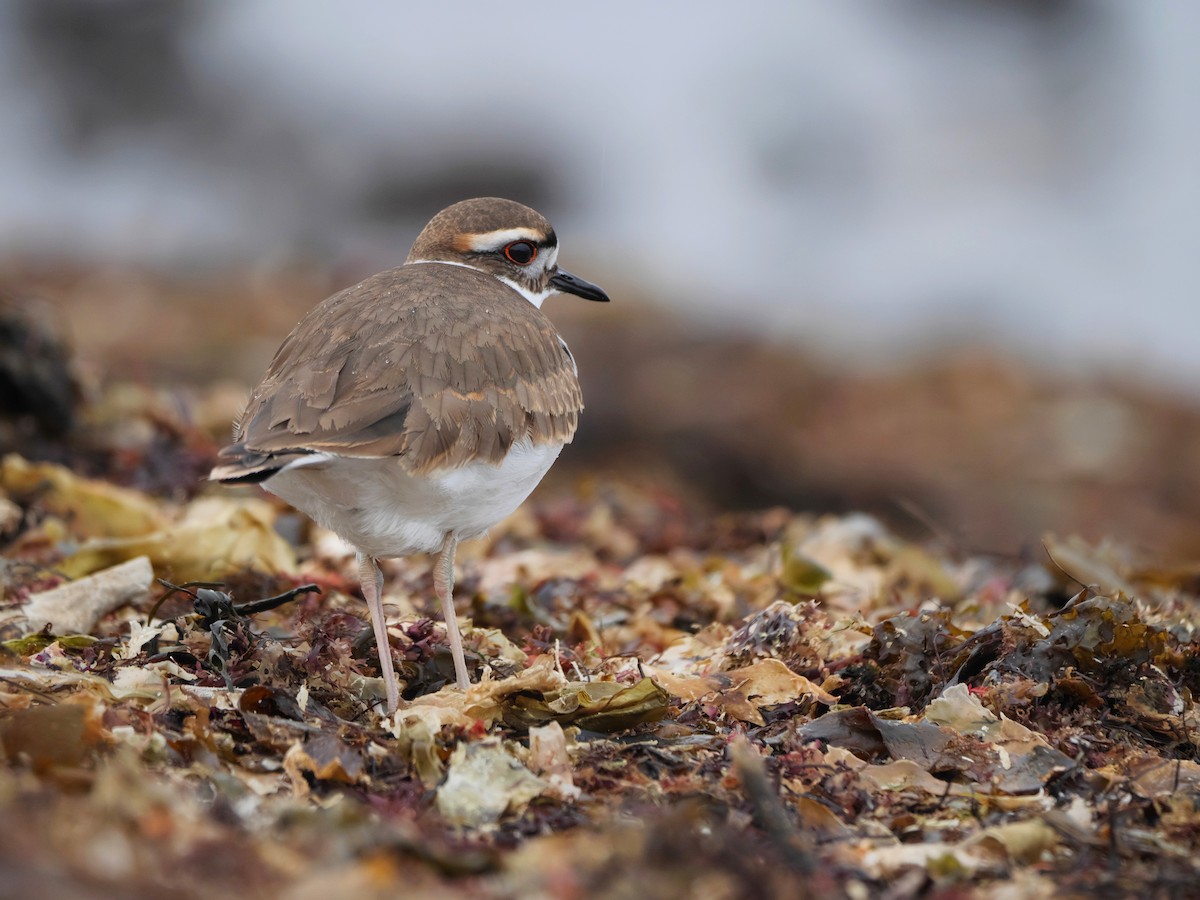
(477, 216)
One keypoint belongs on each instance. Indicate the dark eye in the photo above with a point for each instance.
(521, 252)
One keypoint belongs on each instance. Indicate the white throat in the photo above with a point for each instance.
(536, 298)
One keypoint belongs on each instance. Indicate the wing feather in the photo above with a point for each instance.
(410, 363)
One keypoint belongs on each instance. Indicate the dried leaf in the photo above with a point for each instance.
(76, 606)
(216, 537)
(484, 782)
(550, 758)
(800, 574)
(603, 706)
(47, 736)
(1019, 842)
(323, 757)
(484, 702)
(769, 682)
(40, 640)
(93, 508)
(869, 736)
(1024, 760)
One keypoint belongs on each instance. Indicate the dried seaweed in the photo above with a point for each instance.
(819, 708)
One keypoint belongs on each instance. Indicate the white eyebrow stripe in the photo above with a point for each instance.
(494, 240)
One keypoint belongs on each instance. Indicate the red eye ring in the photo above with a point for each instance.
(521, 252)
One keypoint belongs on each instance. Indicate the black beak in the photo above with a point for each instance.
(569, 284)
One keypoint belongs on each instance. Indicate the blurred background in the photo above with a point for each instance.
(936, 260)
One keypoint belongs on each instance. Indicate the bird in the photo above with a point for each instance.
(421, 406)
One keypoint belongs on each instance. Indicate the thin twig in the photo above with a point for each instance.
(768, 808)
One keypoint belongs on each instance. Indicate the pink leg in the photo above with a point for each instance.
(443, 586)
(372, 587)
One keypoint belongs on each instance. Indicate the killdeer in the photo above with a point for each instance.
(423, 405)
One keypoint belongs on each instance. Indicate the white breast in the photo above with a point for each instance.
(383, 511)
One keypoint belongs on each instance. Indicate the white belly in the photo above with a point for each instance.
(383, 512)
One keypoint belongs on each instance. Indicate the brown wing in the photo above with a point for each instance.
(440, 365)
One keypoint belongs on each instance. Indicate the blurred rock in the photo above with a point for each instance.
(37, 386)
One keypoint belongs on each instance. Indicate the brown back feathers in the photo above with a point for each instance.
(437, 364)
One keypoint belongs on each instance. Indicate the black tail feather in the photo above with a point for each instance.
(239, 464)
